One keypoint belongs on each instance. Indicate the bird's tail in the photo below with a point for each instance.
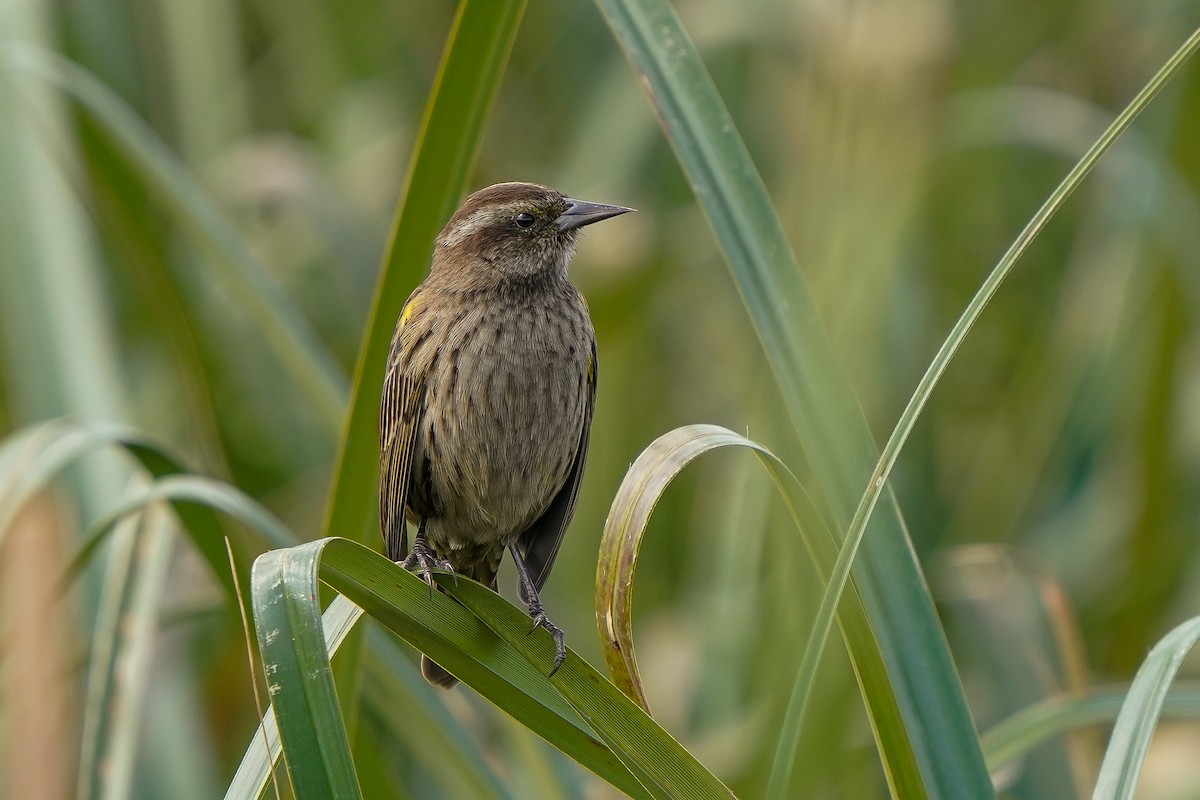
(482, 570)
(436, 675)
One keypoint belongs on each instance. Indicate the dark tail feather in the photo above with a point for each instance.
(436, 675)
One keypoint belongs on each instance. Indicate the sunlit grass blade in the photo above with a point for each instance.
(1012, 738)
(1139, 715)
(935, 750)
(287, 332)
(472, 66)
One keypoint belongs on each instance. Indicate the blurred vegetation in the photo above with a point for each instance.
(1050, 488)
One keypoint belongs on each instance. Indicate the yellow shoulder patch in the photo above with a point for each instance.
(410, 308)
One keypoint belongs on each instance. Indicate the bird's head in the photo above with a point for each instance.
(515, 230)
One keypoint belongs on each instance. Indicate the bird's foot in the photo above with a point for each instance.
(423, 562)
(540, 620)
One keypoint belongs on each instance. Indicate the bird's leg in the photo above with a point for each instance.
(540, 620)
(423, 561)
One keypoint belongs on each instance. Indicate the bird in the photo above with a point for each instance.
(488, 395)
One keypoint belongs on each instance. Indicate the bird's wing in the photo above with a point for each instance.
(539, 543)
(399, 419)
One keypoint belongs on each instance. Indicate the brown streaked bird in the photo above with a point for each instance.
(488, 397)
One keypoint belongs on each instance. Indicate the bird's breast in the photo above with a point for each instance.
(506, 397)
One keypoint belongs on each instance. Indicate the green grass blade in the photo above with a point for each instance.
(443, 156)
(1139, 715)
(920, 397)
(916, 404)
(120, 665)
(254, 771)
(287, 617)
(33, 456)
(934, 749)
(407, 709)
(298, 347)
(404, 705)
(195, 490)
(459, 641)
(499, 659)
(1012, 738)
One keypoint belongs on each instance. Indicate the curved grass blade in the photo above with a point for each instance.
(781, 770)
(975, 308)
(461, 643)
(491, 650)
(288, 333)
(923, 729)
(32, 457)
(443, 156)
(987, 290)
(406, 706)
(1140, 712)
(184, 490)
(625, 528)
(1012, 738)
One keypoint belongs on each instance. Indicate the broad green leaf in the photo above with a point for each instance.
(398, 695)
(299, 677)
(499, 659)
(665, 768)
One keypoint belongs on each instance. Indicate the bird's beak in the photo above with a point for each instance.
(580, 213)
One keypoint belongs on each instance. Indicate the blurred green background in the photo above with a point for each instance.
(1051, 488)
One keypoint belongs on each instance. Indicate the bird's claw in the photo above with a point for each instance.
(423, 562)
(540, 620)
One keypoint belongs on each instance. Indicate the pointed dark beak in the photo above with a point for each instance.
(580, 213)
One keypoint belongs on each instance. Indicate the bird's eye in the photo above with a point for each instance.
(523, 220)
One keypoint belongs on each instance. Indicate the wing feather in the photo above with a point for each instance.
(539, 543)
(399, 420)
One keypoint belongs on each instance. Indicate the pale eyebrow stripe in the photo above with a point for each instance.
(479, 220)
